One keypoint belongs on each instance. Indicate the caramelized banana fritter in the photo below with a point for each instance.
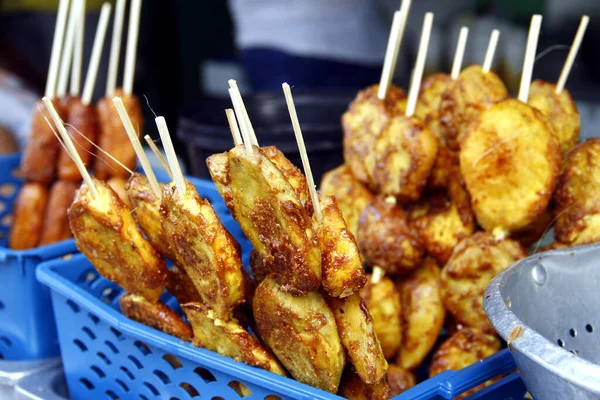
(343, 272)
(384, 304)
(29, 211)
(274, 220)
(355, 326)
(363, 123)
(351, 195)
(444, 169)
(259, 271)
(118, 184)
(353, 388)
(156, 315)
(561, 111)
(474, 263)
(106, 233)
(465, 347)
(218, 167)
(510, 162)
(386, 239)
(181, 286)
(405, 153)
(466, 97)
(228, 338)
(577, 196)
(422, 314)
(400, 380)
(430, 96)
(84, 121)
(200, 244)
(302, 332)
(56, 222)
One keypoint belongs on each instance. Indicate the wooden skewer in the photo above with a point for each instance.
(534, 32)
(460, 52)
(240, 117)
(491, 50)
(246, 119)
(137, 146)
(233, 127)
(132, 41)
(161, 124)
(158, 155)
(69, 143)
(67, 51)
(78, 50)
(115, 48)
(92, 72)
(303, 155)
(377, 274)
(57, 43)
(415, 84)
(564, 74)
(393, 48)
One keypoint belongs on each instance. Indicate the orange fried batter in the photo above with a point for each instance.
(430, 96)
(156, 315)
(444, 169)
(85, 120)
(29, 211)
(353, 388)
(181, 286)
(400, 380)
(56, 223)
(106, 233)
(200, 244)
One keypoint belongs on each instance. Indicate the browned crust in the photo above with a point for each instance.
(430, 96)
(387, 240)
(400, 380)
(446, 166)
(29, 210)
(155, 315)
(181, 287)
(353, 388)
(56, 223)
(471, 93)
(84, 120)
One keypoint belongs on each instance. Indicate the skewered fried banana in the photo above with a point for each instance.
(357, 333)
(228, 338)
(302, 332)
(384, 304)
(430, 96)
(106, 233)
(510, 162)
(353, 388)
(422, 314)
(28, 216)
(474, 263)
(181, 286)
(444, 169)
(156, 315)
(118, 184)
(387, 240)
(200, 244)
(84, 121)
(56, 222)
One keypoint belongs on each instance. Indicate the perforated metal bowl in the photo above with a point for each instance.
(547, 308)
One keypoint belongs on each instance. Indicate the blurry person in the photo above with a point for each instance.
(16, 102)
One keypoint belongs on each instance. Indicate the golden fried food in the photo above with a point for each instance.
(474, 263)
(343, 272)
(400, 380)
(465, 347)
(363, 122)
(444, 169)
(29, 211)
(561, 111)
(292, 174)
(577, 196)
(430, 96)
(229, 339)
(302, 332)
(443, 219)
(156, 315)
(118, 184)
(56, 222)
(422, 314)
(510, 162)
(405, 153)
(218, 167)
(113, 138)
(84, 121)
(274, 220)
(536, 230)
(181, 286)
(200, 244)
(384, 305)
(353, 388)
(146, 211)
(387, 240)
(40, 156)
(106, 233)
(351, 195)
(470, 94)
(259, 271)
(357, 332)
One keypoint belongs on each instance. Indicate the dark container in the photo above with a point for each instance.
(203, 130)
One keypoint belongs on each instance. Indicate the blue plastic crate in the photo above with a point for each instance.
(26, 321)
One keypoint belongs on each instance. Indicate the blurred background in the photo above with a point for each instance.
(325, 49)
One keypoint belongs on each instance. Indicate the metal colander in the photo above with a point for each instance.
(547, 308)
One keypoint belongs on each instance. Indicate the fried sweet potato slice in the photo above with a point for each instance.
(29, 211)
